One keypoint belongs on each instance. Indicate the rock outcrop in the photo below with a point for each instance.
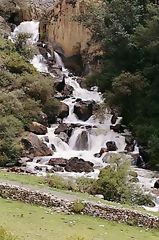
(34, 147)
(37, 128)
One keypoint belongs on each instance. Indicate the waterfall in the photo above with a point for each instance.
(30, 27)
(58, 59)
(80, 140)
(39, 63)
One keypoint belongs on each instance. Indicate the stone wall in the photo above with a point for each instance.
(97, 210)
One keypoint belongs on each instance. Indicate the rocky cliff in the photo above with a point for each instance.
(57, 26)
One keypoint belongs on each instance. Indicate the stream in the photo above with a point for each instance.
(95, 132)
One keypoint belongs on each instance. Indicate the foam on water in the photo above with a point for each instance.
(96, 137)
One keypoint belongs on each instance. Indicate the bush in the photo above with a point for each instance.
(78, 206)
(59, 182)
(10, 148)
(15, 63)
(86, 185)
(114, 184)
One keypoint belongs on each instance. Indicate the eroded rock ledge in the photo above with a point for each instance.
(93, 209)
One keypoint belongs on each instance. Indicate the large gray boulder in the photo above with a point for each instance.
(34, 147)
(79, 165)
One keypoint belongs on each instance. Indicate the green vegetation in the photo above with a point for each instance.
(127, 31)
(78, 206)
(25, 96)
(32, 222)
(116, 183)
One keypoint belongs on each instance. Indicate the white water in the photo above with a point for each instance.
(30, 27)
(97, 137)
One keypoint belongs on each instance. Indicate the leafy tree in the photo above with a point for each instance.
(128, 33)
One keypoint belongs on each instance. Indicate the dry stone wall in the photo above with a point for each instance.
(97, 210)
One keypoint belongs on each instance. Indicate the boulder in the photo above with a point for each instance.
(59, 86)
(63, 110)
(34, 147)
(82, 141)
(67, 91)
(111, 146)
(37, 128)
(114, 119)
(79, 165)
(156, 184)
(64, 128)
(64, 137)
(58, 161)
(117, 128)
(103, 150)
(84, 110)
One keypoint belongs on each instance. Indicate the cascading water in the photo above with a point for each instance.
(84, 142)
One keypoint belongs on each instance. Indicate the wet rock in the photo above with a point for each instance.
(59, 86)
(79, 165)
(156, 184)
(46, 139)
(33, 146)
(63, 110)
(114, 119)
(58, 161)
(63, 127)
(82, 141)
(63, 136)
(111, 146)
(67, 91)
(130, 148)
(66, 128)
(53, 147)
(37, 128)
(84, 110)
(103, 150)
(38, 168)
(130, 144)
(117, 128)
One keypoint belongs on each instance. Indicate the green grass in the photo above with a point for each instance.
(30, 222)
(39, 182)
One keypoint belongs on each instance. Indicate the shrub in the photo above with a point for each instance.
(114, 183)
(56, 181)
(15, 63)
(78, 206)
(86, 185)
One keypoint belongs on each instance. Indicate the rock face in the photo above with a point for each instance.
(5, 30)
(34, 147)
(61, 30)
(38, 128)
(79, 165)
(84, 110)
